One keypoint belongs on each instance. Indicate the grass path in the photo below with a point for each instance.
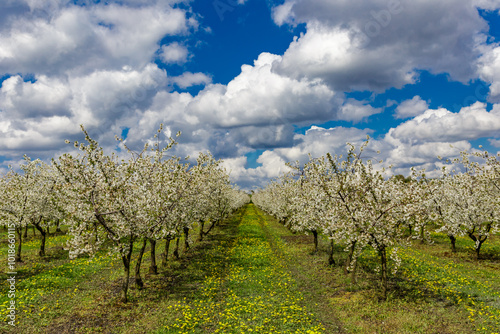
(250, 290)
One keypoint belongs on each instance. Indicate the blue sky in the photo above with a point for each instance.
(256, 82)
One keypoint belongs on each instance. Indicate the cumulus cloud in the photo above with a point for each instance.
(188, 79)
(42, 113)
(494, 142)
(355, 111)
(41, 136)
(405, 155)
(84, 38)
(318, 141)
(174, 53)
(419, 141)
(470, 123)
(411, 108)
(272, 166)
(489, 71)
(259, 96)
(488, 4)
(45, 97)
(359, 45)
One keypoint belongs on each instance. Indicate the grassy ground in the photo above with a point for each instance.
(249, 288)
(434, 291)
(252, 275)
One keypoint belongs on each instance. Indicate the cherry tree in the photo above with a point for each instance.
(101, 202)
(362, 208)
(469, 202)
(15, 198)
(29, 197)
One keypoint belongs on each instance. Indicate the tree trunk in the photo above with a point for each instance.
(19, 231)
(186, 238)
(211, 227)
(176, 249)
(315, 234)
(26, 232)
(164, 259)
(126, 269)
(58, 224)
(331, 260)
(383, 261)
(349, 257)
(202, 225)
(153, 268)
(422, 234)
(453, 240)
(96, 232)
(138, 279)
(354, 279)
(42, 242)
(478, 248)
(479, 242)
(43, 233)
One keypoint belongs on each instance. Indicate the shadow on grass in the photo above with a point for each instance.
(180, 280)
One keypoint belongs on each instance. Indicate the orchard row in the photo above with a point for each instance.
(110, 201)
(358, 206)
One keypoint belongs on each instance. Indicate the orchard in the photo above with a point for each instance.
(357, 207)
(378, 245)
(110, 201)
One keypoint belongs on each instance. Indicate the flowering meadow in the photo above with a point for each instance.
(259, 293)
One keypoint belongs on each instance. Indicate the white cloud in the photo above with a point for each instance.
(188, 79)
(318, 141)
(110, 95)
(261, 136)
(355, 111)
(41, 136)
(283, 13)
(87, 63)
(236, 168)
(82, 39)
(272, 166)
(404, 155)
(174, 53)
(359, 45)
(338, 58)
(411, 108)
(489, 71)
(43, 113)
(260, 97)
(494, 142)
(45, 97)
(488, 4)
(441, 125)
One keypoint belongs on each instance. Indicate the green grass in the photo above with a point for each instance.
(434, 291)
(253, 275)
(344, 307)
(249, 289)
